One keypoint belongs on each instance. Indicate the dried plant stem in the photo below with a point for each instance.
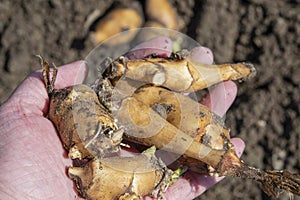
(272, 181)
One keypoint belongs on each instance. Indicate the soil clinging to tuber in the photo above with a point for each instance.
(150, 110)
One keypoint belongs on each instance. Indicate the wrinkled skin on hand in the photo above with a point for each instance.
(33, 165)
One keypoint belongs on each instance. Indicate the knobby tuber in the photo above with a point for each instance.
(88, 131)
(121, 177)
(178, 73)
(198, 135)
(186, 127)
(161, 12)
(152, 112)
(128, 15)
(85, 127)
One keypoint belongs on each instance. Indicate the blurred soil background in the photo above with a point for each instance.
(266, 113)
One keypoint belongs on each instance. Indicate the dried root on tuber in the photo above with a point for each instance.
(152, 111)
(198, 136)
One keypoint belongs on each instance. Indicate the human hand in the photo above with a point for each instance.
(31, 153)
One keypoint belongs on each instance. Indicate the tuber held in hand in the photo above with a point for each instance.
(88, 131)
(146, 107)
(122, 177)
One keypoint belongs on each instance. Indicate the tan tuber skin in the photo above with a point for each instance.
(203, 139)
(154, 115)
(88, 132)
(71, 109)
(118, 20)
(127, 16)
(121, 177)
(179, 73)
(161, 12)
(190, 129)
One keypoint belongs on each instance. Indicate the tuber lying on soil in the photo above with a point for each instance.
(116, 21)
(127, 15)
(162, 13)
(152, 112)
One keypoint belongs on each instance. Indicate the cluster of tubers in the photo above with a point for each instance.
(150, 115)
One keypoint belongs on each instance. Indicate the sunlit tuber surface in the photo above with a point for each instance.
(178, 73)
(85, 127)
(121, 177)
(88, 131)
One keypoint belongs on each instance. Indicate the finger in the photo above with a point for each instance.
(31, 96)
(202, 54)
(71, 74)
(161, 46)
(193, 184)
(220, 97)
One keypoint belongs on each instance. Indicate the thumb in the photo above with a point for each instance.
(71, 74)
(31, 94)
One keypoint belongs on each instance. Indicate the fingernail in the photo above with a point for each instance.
(161, 46)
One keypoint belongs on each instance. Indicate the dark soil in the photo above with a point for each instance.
(266, 113)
